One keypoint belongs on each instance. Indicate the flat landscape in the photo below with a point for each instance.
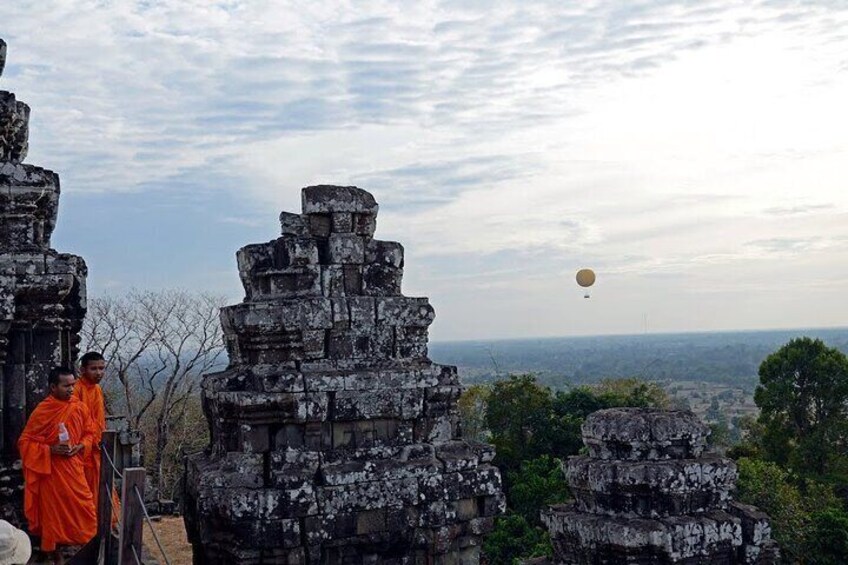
(713, 374)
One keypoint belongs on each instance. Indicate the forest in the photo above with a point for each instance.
(792, 459)
(719, 357)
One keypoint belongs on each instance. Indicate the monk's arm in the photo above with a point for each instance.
(90, 434)
(35, 454)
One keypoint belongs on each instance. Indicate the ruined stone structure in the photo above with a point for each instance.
(42, 292)
(647, 494)
(334, 438)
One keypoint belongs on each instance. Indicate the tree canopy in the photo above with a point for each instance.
(808, 520)
(533, 428)
(803, 400)
(527, 420)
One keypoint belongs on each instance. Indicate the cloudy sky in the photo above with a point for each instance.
(693, 153)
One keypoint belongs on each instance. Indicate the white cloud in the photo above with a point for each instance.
(647, 139)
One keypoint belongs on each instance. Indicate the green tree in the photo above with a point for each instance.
(538, 483)
(609, 393)
(578, 402)
(472, 412)
(827, 540)
(518, 417)
(631, 392)
(803, 394)
(714, 411)
(527, 420)
(765, 485)
(531, 428)
(513, 538)
(807, 518)
(570, 408)
(750, 443)
(720, 435)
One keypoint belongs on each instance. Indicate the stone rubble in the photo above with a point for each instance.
(42, 292)
(334, 438)
(647, 494)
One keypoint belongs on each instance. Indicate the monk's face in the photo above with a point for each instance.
(93, 371)
(65, 389)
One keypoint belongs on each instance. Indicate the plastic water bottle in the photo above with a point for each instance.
(64, 436)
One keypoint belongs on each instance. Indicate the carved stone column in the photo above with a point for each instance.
(648, 494)
(334, 437)
(42, 292)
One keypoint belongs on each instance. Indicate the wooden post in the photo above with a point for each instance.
(132, 516)
(104, 501)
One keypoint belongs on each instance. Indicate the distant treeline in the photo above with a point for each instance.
(723, 357)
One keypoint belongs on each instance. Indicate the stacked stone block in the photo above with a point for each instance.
(647, 494)
(42, 292)
(334, 438)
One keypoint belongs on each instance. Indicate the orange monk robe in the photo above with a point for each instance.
(58, 504)
(92, 396)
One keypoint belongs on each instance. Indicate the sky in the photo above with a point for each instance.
(694, 154)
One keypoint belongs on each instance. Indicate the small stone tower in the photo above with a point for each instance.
(334, 437)
(646, 494)
(42, 292)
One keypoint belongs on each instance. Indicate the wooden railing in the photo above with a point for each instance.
(126, 548)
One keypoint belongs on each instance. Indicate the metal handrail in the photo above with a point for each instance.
(143, 509)
(105, 452)
(135, 553)
(150, 524)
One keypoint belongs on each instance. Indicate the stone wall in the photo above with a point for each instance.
(334, 438)
(647, 494)
(42, 292)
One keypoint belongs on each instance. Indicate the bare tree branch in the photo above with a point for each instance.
(157, 345)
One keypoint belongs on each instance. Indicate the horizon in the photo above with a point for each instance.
(693, 156)
(648, 334)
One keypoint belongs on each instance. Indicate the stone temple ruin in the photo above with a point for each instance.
(334, 438)
(42, 292)
(646, 494)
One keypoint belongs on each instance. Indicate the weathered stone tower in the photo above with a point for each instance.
(334, 437)
(42, 292)
(646, 494)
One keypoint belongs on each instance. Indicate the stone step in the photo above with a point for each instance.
(644, 434)
(650, 488)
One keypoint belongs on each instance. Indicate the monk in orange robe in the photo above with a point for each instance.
(92, 370)
(58, 436)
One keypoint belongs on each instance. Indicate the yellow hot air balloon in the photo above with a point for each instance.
(586, 278)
